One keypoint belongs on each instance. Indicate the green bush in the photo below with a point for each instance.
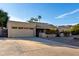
(66, 33)
(75, 30)
(53, 31)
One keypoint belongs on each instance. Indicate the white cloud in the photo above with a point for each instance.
(66, 14)
(12, 18)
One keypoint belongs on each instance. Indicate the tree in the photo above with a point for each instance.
(66, 32)
(3, 19)
(57, 33)
(75, 29)
(34, 19)
(31, 20)
(51, 31)
(39, 17)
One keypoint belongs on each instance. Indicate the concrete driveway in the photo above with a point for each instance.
(66, 40)
(35, 47)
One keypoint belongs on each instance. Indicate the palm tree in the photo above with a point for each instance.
(39, 17)
(3, 19)
(33, 19)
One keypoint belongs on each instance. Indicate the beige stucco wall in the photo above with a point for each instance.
(44, 26)
(20, 32)
(25, 32)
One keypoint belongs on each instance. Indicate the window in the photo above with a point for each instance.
(31, 28)
(25, 28)
(14, 27)
(20, 27)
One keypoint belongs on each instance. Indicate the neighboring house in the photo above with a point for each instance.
(25, 29)
(63, 28)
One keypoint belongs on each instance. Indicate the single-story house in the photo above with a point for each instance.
(26, 29)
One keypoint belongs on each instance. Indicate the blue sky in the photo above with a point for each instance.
(53, 13)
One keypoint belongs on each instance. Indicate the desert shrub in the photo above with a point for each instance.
(75, 30)
(66, 33)
(53, 31)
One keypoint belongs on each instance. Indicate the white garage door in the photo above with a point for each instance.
(21, 32)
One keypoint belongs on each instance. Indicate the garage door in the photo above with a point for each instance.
(21, 33)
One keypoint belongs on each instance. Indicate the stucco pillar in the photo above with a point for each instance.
(34, 32)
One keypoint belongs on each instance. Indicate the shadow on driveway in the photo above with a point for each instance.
(52, 42)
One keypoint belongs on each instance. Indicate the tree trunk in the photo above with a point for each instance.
(58, 33)
(1, 32)
(39, 20)
(1, 29)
